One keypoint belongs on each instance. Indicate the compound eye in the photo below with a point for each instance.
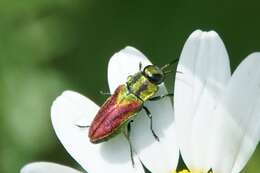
(157, 78)
(154, 74)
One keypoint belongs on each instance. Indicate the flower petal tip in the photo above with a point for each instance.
(195, 33)
(256, 55)
(199, 33)
(130, 48)
(127, 51)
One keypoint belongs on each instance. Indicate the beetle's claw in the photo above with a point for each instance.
(133, 162)
(155, 136)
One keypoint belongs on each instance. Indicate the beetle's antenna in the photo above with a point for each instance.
(169, 64)
(170, 71)
(167, 72)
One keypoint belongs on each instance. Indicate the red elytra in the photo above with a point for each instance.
(114, 114)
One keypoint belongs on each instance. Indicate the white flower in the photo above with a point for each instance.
(71, 109)
(216, 116)
(47, 167)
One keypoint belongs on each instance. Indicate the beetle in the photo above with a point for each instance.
(119, 110)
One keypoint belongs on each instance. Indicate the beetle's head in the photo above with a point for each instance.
(154, 74)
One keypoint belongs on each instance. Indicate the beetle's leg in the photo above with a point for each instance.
(148, 113)
(140, 66)
(81, 126)
(105, 93)
(161, 97)
(210, 171)
(127, 135)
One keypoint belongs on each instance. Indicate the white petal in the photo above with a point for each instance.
(204, 72)
(43, 167)
(159, 157)
(237, 118)
(111, 156)
(124, 63)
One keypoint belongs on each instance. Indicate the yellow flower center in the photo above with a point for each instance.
(187, 171)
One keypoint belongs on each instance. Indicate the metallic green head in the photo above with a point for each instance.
(154, 74)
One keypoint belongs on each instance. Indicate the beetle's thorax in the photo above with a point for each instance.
(141, 87)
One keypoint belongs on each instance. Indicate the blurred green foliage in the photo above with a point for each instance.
(48, 46)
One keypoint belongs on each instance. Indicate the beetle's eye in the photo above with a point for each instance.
(156, 78)
(154, 74)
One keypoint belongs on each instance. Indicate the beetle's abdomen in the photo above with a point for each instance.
(140, 86)
(114, 113)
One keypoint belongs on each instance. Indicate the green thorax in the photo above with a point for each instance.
(141, 87)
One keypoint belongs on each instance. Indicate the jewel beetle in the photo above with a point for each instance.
(119, 110)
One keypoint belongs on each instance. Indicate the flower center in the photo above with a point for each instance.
(187, 171)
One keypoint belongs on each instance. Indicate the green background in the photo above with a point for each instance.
(47, 46)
